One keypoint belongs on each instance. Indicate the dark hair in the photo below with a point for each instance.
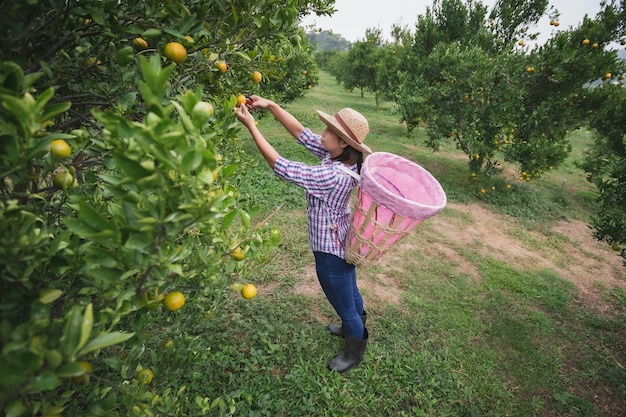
(351, 156)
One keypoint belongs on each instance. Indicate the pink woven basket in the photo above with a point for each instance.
(395, 196)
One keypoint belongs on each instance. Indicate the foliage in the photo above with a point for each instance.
(295, 70)
(328, 41)
(147, 200)
(359, 67)
(605, 162)
(476, 78)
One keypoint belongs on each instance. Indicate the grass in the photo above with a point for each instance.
(497, 341)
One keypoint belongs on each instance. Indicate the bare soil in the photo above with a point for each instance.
(568, 248)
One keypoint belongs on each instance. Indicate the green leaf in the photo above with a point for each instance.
(71, 369)
(46, 68)
(46, 381)
(105, 237)
(152, 33)
(12, 78)
(43, 98)
(127, 100)
(98, 18)
(15, 409)
(71, 334)
(139, 241)
(16, 107)
(85, 330)
(54, 110)
(49, 295)
(57, 135)
(187, 23)
(29, 361)
(173, 32)
(184, 117)
(192, 160)
(228, 219)
(132, 168)
(106, 340)
(125, 56)
(93, 218)
(106, 275)
(11, 374)
(97, 257)
(243, 55)
(245, 218)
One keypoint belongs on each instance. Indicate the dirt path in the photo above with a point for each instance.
(569, 249)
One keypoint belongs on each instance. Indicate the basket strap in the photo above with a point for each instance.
(348, 171)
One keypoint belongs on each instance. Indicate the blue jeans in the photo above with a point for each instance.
(338, 280)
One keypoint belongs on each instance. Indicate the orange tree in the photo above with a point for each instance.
(605, 162)
(473, 82)
(120, 170)
(357, 69)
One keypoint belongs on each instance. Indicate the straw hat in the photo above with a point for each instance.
(350, 125)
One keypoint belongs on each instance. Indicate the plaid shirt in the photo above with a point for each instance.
(328, 192)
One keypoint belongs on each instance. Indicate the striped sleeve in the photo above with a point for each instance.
(313, 142)
(317, 180)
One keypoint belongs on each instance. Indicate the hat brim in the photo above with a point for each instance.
(334, 126)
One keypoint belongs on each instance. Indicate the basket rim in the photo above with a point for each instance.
(395, 202)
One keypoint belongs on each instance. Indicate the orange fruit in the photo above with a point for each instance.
(202, 110)
(145, 376)
(256, 77)
(86, 366)
(248, 291)
(241, 100)
(595, 45)
(175, 52)
(168, 343)
(89, 62)
(63, 180)
(237, 254)
(140, 44)
(84, 377)
(586, 42)
(221, 65)
(60, 149)
(174, 301)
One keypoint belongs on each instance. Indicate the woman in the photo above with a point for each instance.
(328, 187)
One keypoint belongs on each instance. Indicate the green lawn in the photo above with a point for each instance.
(497, 341)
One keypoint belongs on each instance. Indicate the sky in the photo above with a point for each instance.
(353, 17)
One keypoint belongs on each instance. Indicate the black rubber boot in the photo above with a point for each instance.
(352, 354)
(337, 329)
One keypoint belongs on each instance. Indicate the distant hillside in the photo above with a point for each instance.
(327, 40)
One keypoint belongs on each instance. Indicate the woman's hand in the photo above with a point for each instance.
(259, 102)
(268, 152)
(244, 116)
